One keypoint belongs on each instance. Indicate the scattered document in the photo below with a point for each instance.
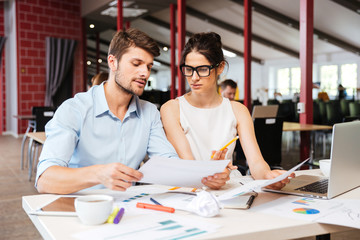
(346, 215)
(179, 172)
(256, 185)
(344, 212)
(155, 226)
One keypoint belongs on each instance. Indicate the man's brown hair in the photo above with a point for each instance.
(132, 37)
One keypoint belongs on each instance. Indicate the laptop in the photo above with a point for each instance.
(344, 169)
(269, 111)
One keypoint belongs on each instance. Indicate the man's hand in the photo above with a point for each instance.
(117, 176)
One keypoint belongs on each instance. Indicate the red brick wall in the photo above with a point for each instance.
(2, 74)
(36, 20)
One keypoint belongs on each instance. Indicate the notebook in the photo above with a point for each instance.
(344, 169)
(269, 111)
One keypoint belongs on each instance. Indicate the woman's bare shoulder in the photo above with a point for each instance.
(170, 106)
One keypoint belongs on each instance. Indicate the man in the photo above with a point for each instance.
(228, 89)
(101, 136)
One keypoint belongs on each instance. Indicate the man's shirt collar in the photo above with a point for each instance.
(101, 105)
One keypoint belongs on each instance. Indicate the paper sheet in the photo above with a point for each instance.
(179, 172)
(344, 212)
(155, 226)
(256, 185)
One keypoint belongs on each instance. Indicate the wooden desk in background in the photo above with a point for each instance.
(294, 126)
(40, 137)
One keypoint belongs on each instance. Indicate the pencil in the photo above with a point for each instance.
(233, 140)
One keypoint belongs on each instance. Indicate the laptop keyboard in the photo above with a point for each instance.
(320, 186)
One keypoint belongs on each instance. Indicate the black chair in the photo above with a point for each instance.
(333, 112)
(42, 116)
(239, 158)
(322, 110)
(351, 118)
(268, 133)
(286, 111)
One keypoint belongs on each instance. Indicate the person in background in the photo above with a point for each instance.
(228, 89)
(201, 122)
(99, 138)
(99, 78)
(341, 92)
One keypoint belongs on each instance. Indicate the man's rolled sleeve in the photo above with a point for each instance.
(45, 164)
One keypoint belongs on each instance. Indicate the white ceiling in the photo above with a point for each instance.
(329, 17)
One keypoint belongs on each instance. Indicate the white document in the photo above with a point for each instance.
(258, 184)
(155, 226)
(344, 212)
(179, 172)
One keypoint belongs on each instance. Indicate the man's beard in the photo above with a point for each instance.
(128, 90)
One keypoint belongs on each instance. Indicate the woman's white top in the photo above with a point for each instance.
(208, 129)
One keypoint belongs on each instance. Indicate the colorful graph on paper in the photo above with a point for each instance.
(306, 211)
(304, 201)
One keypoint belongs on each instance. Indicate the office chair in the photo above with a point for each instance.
(42, 116)
(268, 132)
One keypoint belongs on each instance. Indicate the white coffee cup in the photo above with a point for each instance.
(93, 209)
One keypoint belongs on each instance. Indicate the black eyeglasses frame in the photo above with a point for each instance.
(196, 69)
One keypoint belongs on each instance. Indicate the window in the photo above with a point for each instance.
(329, 79)
(288, 81)
(333, 75)
(348, 78)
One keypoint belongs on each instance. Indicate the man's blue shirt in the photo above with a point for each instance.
(84, 132)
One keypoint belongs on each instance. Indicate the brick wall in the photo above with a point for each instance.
(36, 20)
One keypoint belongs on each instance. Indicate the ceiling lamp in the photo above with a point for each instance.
(229, 54)
(127, 12)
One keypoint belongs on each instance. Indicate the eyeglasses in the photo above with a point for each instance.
(202, 71)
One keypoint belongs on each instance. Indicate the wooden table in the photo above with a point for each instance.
(294, 126)
(40, 137)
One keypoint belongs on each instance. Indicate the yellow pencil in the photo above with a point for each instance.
(233, 140)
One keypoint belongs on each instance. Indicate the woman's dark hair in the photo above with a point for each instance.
(132, 37)
(208, 44)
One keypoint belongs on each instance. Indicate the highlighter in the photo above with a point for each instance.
(155, 207)
(112, 215)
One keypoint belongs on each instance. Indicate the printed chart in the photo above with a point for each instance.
(157, 226)
(306, 211)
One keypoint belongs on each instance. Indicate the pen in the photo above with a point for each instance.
(155, 207)
(250, 201)
(119, 215)
(233, 140)
(154, 201)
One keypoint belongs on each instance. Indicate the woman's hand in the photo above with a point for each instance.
(219, 155)
(278, 185)
(217, 180)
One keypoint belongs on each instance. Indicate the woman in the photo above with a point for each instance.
(202, 121)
